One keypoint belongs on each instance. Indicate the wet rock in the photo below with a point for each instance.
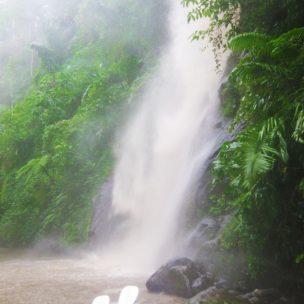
(263, 296)
(222, 284)
(242, 286)
(283, 300)
(180, 277)
(202, 283)
(206, 230)
(246, 296)
(205, 296)
(233, 293)
(254, 300)
(100, 227)
(266, 294)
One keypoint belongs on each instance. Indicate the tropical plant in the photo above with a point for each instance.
(261, 170)
(56, 144)
(231, 17)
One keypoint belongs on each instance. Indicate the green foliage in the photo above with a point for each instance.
(55, 145)
(253, 42)
(260, 172)
(48, 60)
(231, 17)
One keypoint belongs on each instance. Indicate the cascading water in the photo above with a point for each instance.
(164, 148)
(161, 157)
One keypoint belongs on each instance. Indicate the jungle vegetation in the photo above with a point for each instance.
(56, 140)
(259, 175)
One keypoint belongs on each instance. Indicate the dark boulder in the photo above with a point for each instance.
(180, 277)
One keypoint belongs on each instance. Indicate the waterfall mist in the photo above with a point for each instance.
(163, 150)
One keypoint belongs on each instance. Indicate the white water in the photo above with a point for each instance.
(164, 149)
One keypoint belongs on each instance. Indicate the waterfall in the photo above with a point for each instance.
(164, 148)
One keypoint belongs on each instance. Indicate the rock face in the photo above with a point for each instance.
(180, 277)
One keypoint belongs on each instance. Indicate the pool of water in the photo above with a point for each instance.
(28, 279)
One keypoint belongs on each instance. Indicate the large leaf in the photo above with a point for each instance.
(252, 42)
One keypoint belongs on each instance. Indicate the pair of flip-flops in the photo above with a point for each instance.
(128, 295)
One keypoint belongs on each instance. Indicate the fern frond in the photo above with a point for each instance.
(272, 131)
(257, 161)
(283, 148)
(270, 127)
(33, 167)
(258, 157)
(293, 39)
(295, 35)
(298, 133)
(250, 70)
(252, 42)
